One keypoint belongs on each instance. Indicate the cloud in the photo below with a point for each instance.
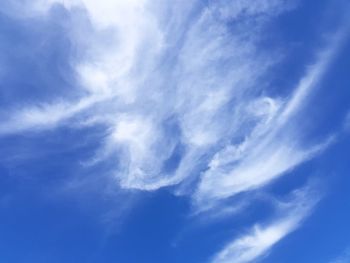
(44, 116)
(343, 258)
(177, 89)
(272, 148)
(260, 239)
(346, 123)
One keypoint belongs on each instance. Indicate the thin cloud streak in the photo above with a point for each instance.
(261, 239)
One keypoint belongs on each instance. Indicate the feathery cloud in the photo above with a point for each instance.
(261, 239)
(181, 90)
(177, 86)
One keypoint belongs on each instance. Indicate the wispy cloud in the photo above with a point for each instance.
(346, 123)
(261, 239)
(169, 76)
(343, 258)
(271, 149)
(177, 84)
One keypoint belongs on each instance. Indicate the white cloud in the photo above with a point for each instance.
(261, 239)
(271, 149)
(45, 116)
(179, 82)
(160, 79)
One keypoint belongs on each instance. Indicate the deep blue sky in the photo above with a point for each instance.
(185, 132)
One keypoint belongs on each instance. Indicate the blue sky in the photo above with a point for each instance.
(174, 131)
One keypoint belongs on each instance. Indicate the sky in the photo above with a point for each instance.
(187, 131)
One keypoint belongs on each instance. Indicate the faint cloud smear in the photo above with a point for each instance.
(346, 124)
(261, 239)
(343, 258)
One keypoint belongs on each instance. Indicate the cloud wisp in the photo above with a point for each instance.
(343, 258)
(271, 149)
(261, 238)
